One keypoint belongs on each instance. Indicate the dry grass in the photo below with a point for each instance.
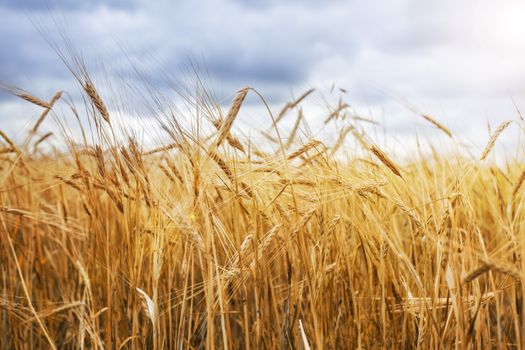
(200, 243)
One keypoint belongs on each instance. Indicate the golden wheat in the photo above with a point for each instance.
(437, 124)
(493, 138)
(198, 243)
(385, 160)
(96, 99)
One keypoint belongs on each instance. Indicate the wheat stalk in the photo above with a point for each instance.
(42, 139)
(341, 139)
(487, 266)
(8, 140)
(295, 127)
(96, 99)
(437, 124)
(493, 138)
(336, 112)
(149, 306)
(308, 146)
(232, 114)
(162, 149)
(44, 114)
(301, 98)
(385, 160)
(34, 100)
(518, 184)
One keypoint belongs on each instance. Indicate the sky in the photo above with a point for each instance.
(460, 61)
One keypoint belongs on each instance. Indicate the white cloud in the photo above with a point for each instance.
(458, 61)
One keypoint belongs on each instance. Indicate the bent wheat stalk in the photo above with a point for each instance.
(437, 124)
(304, 149)
(232, 114)
(493, 139)
(96, 99)
(385, 160)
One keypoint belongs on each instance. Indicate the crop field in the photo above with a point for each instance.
(212, 240)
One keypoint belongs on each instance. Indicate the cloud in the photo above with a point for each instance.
(456, 60)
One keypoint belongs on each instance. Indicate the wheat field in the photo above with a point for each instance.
(213, 241)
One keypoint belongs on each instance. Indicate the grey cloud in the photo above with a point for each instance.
(421, 52)
(253, 69)
(23, 62)
(260, 53)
